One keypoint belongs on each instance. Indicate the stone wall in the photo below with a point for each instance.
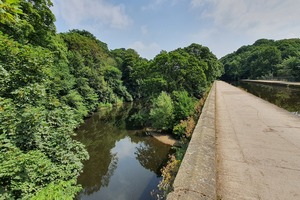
(196, 178)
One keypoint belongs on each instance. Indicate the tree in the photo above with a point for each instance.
(94, 69)
(183, 105)
(133, 68)
(36, 23)
(9, 11)
(264, 59)
(112, 76)
(162, 112)
(192, 69)
(290, 68)
(213, 68)
(36, 127)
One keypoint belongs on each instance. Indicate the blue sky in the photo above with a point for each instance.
(149, 26)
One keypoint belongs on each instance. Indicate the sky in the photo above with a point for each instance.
(149, 26)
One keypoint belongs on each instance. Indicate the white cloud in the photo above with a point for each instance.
(146, 50)
(230, 24)
(252, 17)
(98, 12)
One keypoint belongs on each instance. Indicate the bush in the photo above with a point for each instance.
(180, 128)
(169, 173)
(185, 128)
(54, 191)
(183, 105)
(162, 112)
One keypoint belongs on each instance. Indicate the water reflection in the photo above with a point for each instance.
(282, 96)
(123, 164)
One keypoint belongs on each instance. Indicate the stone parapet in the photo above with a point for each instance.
(196, 178)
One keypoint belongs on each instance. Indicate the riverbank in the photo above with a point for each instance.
(166, 139)
(282, 83)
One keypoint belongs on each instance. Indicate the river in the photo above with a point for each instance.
(124, 163)
(282, 96)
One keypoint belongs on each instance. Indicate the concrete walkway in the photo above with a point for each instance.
(258, 147)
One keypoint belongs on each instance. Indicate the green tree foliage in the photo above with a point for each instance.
(94, 68)
(184, 105)
(57, 190)
(263, 60)
(214, 68)
(133, 69)
(290, 67)
(112, 76)
(35, 24)
(162, 112)
(35, 126)
(173, 112)
(192, 69)
(9, 11)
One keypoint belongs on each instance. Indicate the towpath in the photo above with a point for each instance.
(258, 147)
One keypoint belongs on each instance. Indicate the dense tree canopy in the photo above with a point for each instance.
(35, 126)
(9, 11)
(34, 24)
(192, 69)
(91, 63)
(265, 59)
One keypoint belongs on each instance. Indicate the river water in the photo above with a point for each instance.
(282, 96)
(124, 163)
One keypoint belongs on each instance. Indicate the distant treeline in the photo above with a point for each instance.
(265, 59)
(49, 82)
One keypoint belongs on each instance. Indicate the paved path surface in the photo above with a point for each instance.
(258, 147)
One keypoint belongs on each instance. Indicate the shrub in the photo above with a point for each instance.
(180, 128)
(62, 190)
(185, 128)
(183, 104)
(162, 112)
(169, 173)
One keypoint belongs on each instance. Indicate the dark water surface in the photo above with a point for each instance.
(282, 96)
(124, 164)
